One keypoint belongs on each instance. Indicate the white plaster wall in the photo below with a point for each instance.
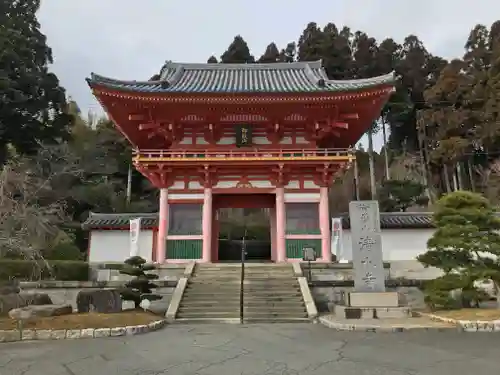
(114, 245)
(397, 244)
(400, 247)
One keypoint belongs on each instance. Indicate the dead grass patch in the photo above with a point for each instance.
(85, 320)
(470, 314)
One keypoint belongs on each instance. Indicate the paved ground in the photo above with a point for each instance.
(259, 349)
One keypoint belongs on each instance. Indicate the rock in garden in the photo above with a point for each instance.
(99, 300)
(13, 301)
(40, 311)
(36, 298)
(9, 287)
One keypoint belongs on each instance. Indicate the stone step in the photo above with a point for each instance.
(215, 277)
(277, 311)
(270, 287)
(233, 282)
(213, 287)
(272, 299)
(257, 315)
(211, 297)
(281, 319)
(264, 303)
(211, 292)
(273, 283)
(272, 293)
(209, 303)
(216, 310)
(209, 314)
(232, 320)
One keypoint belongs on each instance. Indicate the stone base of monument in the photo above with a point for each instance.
(349, 312)
(372, 305)
(372, 299)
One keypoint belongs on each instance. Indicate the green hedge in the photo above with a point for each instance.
(61, 270)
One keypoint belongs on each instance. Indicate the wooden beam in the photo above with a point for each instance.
(149, 125)
(349, 116)
(341, 125)
(136, 117)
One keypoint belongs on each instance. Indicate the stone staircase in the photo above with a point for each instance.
(271, 293)
(212, 294)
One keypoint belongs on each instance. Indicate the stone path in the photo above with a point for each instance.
(258, 349)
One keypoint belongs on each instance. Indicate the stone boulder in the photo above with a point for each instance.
(13, 301)
(39, 311)
(9, 287)
(99, 300)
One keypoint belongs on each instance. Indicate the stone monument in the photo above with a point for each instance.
(369, 298)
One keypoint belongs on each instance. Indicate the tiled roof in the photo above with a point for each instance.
(242, 78)
(399, 220)
(97, 220)
(388, 220)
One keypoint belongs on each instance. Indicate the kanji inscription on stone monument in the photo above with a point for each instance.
(366, 246)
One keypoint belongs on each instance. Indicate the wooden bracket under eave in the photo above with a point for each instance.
(349, 116)
(136, 117)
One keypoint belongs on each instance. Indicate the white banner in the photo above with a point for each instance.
(337, 248)
(135, 230)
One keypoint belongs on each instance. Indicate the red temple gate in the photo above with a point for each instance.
(211, 133)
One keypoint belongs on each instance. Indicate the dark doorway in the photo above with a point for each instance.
(250, 224)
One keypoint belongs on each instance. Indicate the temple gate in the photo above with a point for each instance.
(242, 135)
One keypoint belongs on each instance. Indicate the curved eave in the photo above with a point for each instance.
(325, 87)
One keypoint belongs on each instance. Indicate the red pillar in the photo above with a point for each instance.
(324, 224)
(161, 245)
(280, 225)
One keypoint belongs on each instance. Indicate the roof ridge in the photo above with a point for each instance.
(383, 77)
(250, 66)
(122, 213)
(104, 79)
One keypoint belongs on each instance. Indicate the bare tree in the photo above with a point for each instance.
(33, 192)
(489, 180)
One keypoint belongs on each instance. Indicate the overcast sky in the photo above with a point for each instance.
(131, 39)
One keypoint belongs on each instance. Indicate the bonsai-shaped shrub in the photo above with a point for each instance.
(466, 247)
(139, 288)
(399, 195)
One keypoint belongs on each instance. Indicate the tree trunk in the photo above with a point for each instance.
(425, 175)
(459, 176)
(386, 155)
(129, 184)
(446, 179)
(471, 175)
(373, 187)
(356, 180)
(454, 179)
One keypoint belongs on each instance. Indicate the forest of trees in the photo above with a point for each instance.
(441, 128)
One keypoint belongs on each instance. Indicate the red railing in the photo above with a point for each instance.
(245, 153)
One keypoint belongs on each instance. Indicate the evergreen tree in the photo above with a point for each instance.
(465, 246)
(271, 55)
(336, 52)
(288, 53)
(399, 195)
(237, 52)
(311, 43)
(32, 103)
(212, 60)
